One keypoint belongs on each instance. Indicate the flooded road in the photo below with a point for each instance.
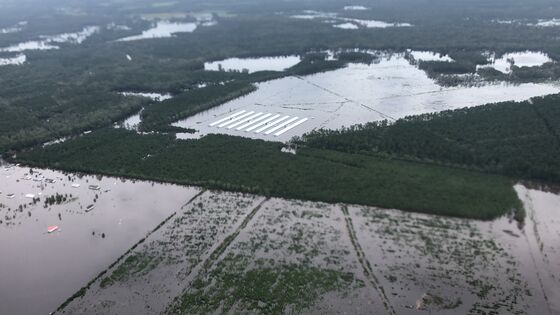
(389, 89)
(39, 270)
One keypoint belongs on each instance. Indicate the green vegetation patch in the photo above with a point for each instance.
(189, 103)
(256, 166)
(135, 265)
(290, 288)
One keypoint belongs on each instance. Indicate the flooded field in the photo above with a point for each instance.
(44, 43)
(236, 253)
(97, 219)
(18, 27)
(163, 29)
(17, 60)
(335, 18)
(132, 122)
(519, 59)
(253, 64)
(390, 89)
(543, 23)
(49, 42)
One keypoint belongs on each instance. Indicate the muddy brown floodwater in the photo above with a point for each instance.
(237, 253)
(224, 252)
(38, 270)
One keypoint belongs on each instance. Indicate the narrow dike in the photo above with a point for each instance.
(368, 270)
(531, 216)
(205, 266)
(84, 289)
(221, 248)
(346, 98)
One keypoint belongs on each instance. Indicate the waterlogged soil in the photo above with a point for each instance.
(38, 270)
(237, 253)
(391, 88)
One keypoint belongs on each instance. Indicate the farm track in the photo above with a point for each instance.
(122, 257)
(221, 248)
(207, 263)
(366, 265)
(531, 216)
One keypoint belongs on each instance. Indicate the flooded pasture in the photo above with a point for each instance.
(97, 219)
(391, 88)
(238, 253)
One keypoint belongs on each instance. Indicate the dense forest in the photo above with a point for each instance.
(256, 166)
(511, 138)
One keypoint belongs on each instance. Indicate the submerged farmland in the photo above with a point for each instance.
(95, 227)
(228, 252)
(389, 88)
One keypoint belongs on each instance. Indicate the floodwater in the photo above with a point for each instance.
(14, 29)
(253, 64)
(547, 23)
(47, 42)
(347, 26)
(422, 55)
(334, 18)
(375, 23)
(163, 29)
(132, 122)
(17, 60)
(39, 270)
(355, 8)
(537, 245)
(392, 262)
(390, 89)
(519, 59)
